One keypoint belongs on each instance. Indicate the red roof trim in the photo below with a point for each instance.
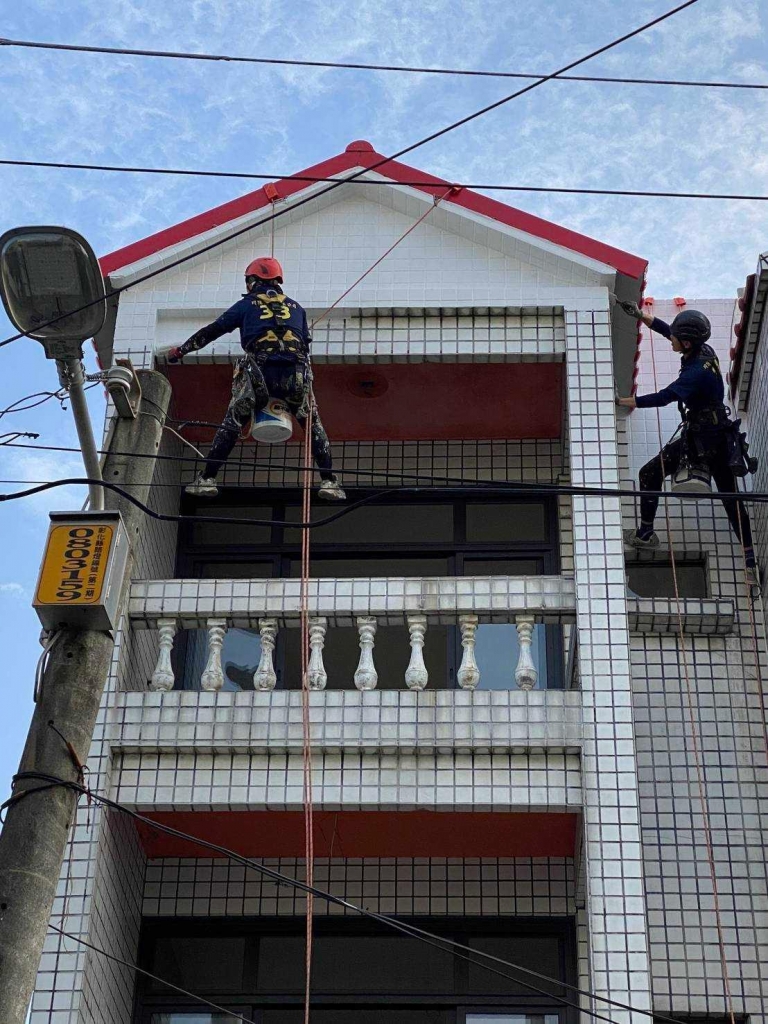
(358, 155)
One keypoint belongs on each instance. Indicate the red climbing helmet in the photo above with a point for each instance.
(265, 267)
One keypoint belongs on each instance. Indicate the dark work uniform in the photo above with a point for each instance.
(275, 337)
(699, 388)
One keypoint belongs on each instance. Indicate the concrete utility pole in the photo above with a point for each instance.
(35, 833)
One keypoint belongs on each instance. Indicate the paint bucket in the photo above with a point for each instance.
(693, 477)
(273, 425)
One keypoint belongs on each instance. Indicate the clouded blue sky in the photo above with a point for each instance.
(112, 109)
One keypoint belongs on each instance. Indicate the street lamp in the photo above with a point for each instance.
(53, 291)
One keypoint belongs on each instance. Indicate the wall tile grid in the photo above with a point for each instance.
(435, 886)
(755, 422)
(83, 987)
(724, 691)
(104, 866)
(431, 780)
(448, 256)
(615, 904)
(401, 721)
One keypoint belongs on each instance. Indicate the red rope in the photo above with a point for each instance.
(309, 850)
(423, 217)
(309, 842)
(692, 716)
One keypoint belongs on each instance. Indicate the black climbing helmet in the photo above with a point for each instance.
(691, 326)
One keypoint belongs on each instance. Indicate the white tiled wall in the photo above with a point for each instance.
(728, 716)
(641, 891)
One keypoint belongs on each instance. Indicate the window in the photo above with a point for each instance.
(361, 974)
(406, 536)
(655, 579)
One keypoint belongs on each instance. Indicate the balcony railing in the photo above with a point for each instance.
(365, 605)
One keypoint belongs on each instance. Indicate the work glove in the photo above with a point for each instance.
(632, 309)
(175, 355)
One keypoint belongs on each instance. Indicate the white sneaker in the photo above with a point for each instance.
(331, 490)
(203, 487)
(635, 543)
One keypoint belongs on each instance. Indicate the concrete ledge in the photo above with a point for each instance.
(700, 617)
(242, 603)
(397, 721)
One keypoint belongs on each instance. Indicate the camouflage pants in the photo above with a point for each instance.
(252, 388)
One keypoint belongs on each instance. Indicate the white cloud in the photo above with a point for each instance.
(13, 590)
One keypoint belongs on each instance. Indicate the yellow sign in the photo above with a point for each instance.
(75, 564)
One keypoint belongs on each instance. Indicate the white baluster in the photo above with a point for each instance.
(264, 678)
(213, 674)
(316, 675)
(468, 674)
(525, 673)
(416, 675)
(162, 677)
(366, 676)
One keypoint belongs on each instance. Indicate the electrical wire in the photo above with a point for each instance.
(313, 179)
(43, 396)
(440, 942)
(349, 66)
(358, 174)
(148, 974)
(556, 489)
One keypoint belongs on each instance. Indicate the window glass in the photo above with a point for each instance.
(370, 964)
(512, 1018)
(235, 570)
(345, 568)
(391, 654)
(536, 952)
(200, 964)
(497, 650)
(240, 655)
(221, 533)
(359, 1015)
(379, 524)
(524, 521)
(191, 1018)
(655, 579)
(503, 567)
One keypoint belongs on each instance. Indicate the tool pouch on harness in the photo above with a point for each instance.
(692, 475)
(739, 460)
(243, 400)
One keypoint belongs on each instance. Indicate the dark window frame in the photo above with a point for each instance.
(458, 1001)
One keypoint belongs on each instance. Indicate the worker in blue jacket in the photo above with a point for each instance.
(275, 337)
(709, 435)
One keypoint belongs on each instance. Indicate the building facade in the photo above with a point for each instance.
(549, 813)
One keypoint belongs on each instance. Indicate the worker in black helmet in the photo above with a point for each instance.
(709, 436)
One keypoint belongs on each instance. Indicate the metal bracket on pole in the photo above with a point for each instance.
(124, 388)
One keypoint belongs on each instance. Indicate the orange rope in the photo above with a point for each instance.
(694, 732)
(309, 842)
(436, 202)
(309, 851)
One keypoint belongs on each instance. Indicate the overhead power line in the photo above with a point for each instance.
(479, 957)
(380, 163)
(559, 490)
(353, 66)
(312, 179)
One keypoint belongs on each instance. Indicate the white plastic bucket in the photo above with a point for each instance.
(693, 477)
(273, 425)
